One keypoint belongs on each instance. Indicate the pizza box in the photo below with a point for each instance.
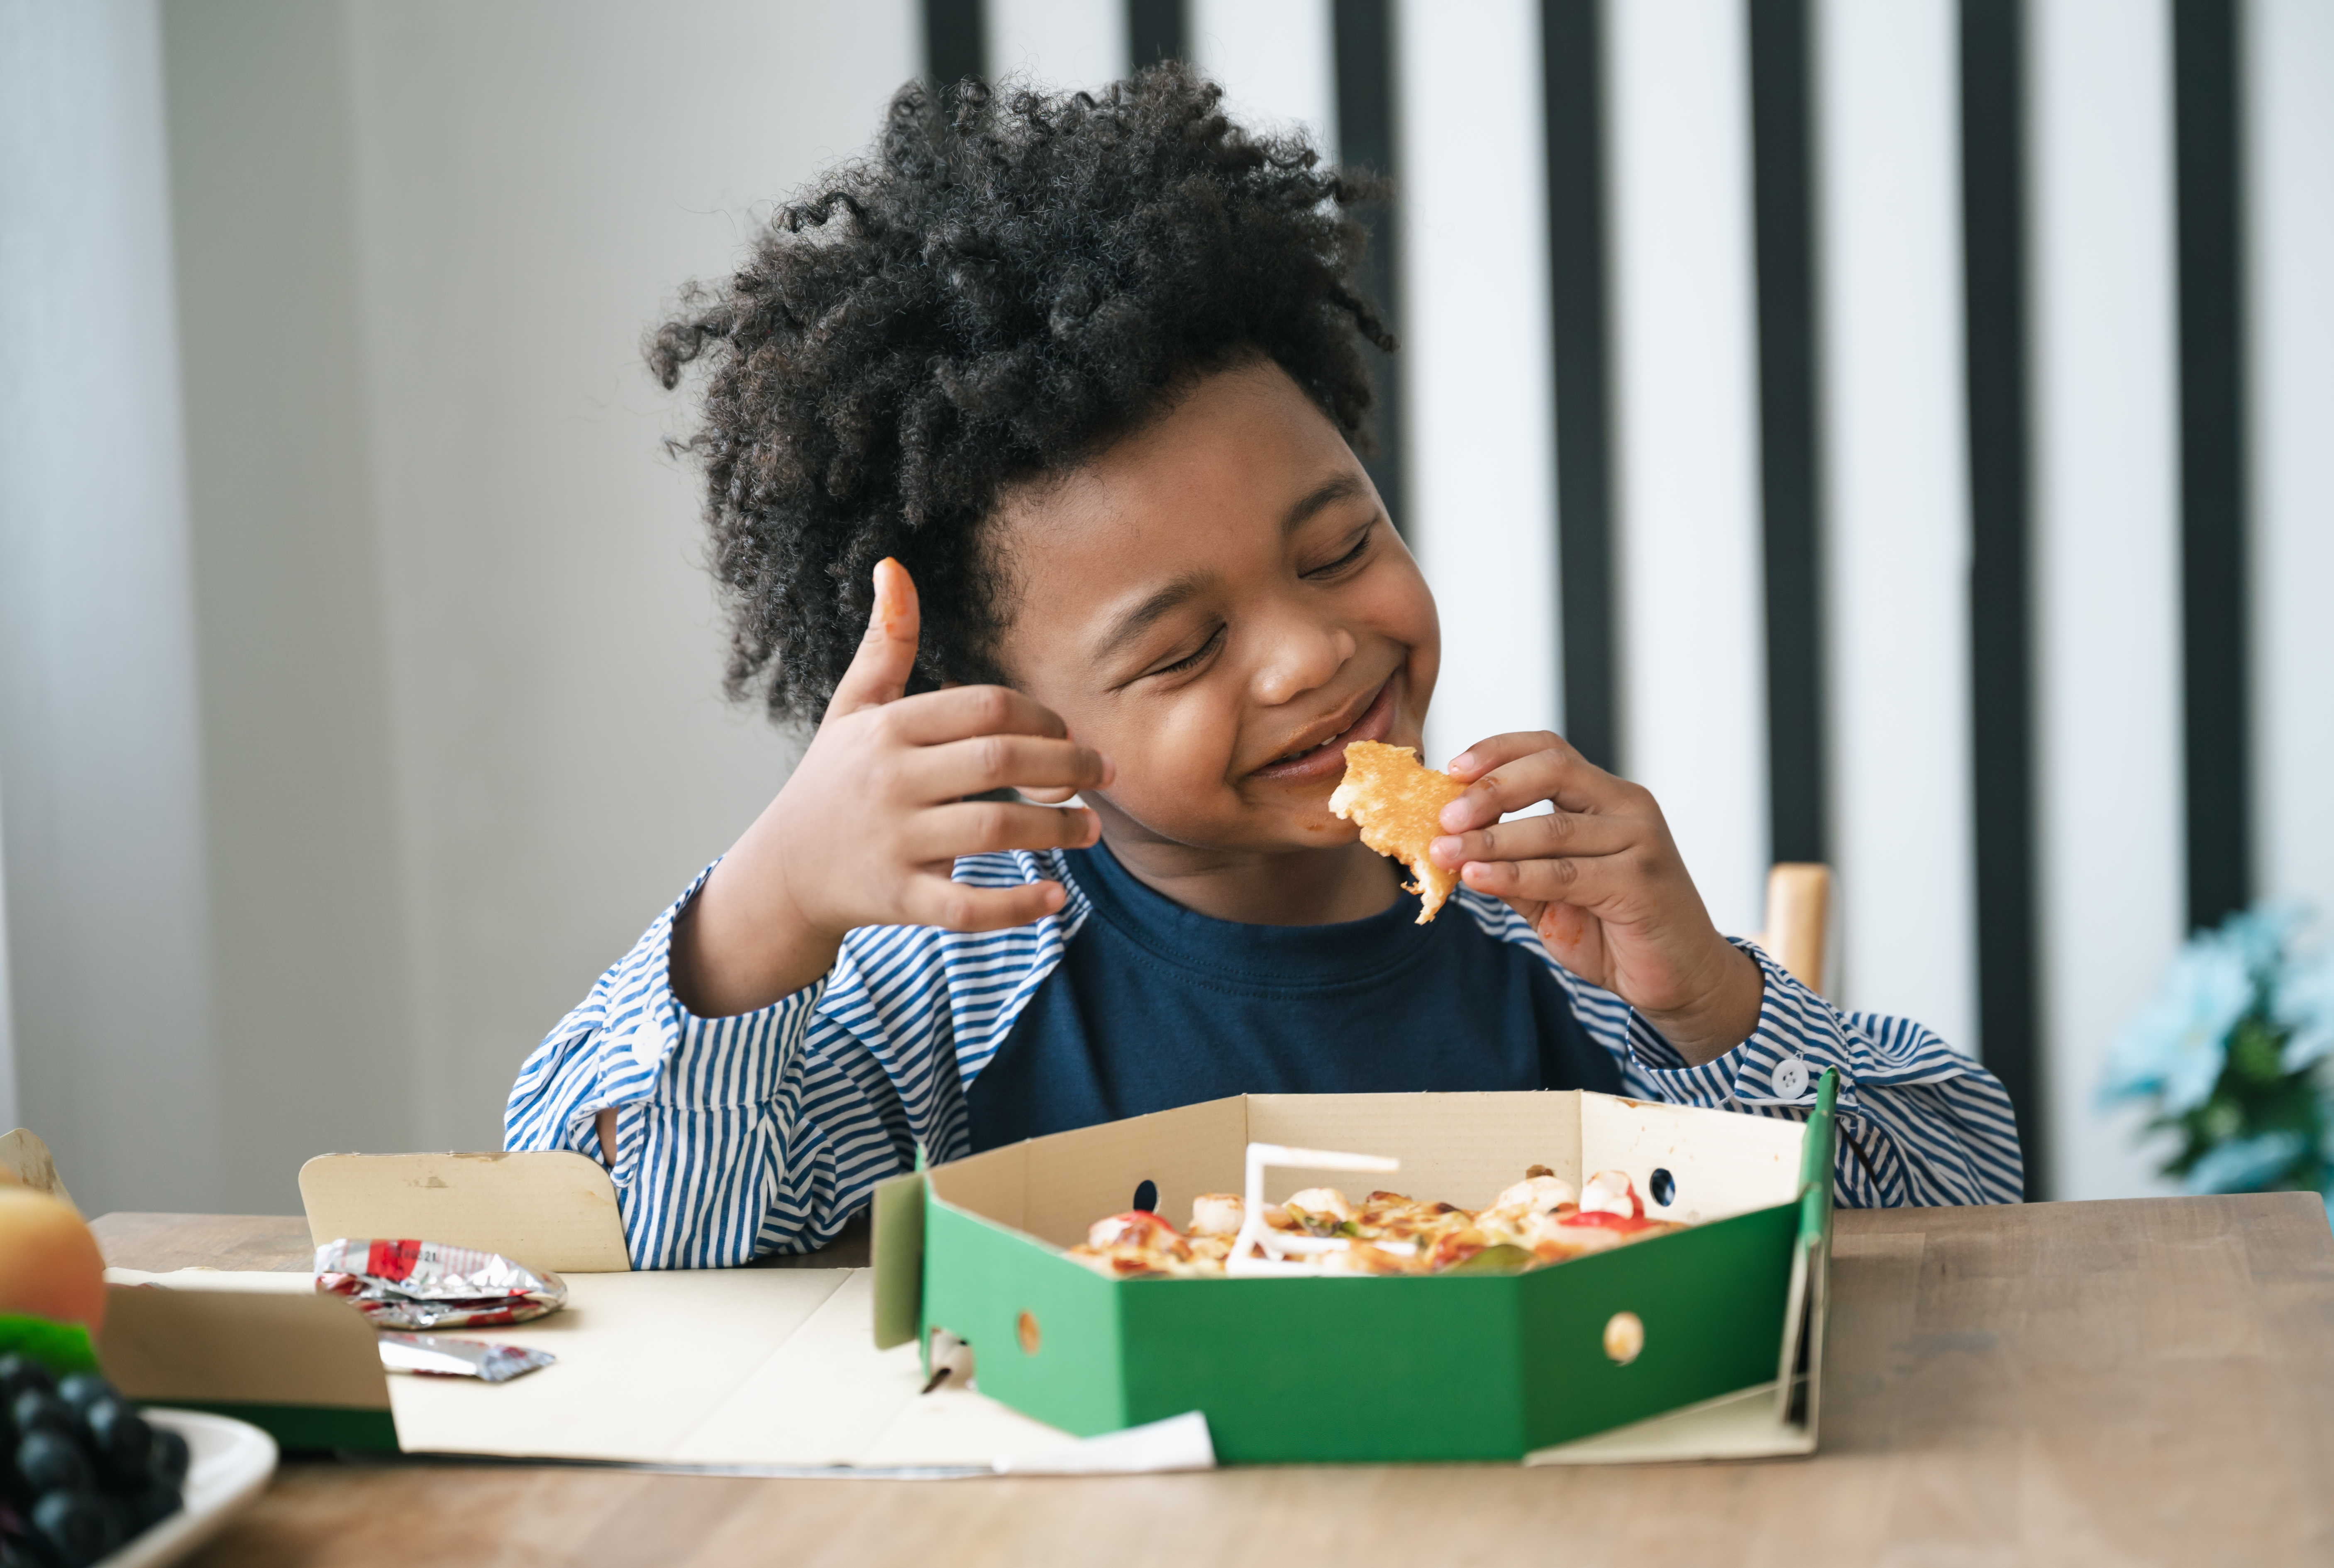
(1729, 1317)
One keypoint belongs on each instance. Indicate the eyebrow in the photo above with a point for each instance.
(1328, 492)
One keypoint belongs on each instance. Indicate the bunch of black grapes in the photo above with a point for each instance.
(85, 1472)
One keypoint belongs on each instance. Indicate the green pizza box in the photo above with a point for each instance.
(1721, 1360)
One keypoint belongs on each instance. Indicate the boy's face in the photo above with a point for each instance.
(1219, 604)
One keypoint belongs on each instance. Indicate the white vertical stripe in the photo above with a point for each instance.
(9, 1115)
(1478, 388)
(1058, 43)
(2287, 91)
(1275, 61)
(1693, 653)
(1896, 508)
(605, 153)
(108, 888)
(2109, 828)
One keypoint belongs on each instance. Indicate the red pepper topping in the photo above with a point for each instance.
(1603, 1221)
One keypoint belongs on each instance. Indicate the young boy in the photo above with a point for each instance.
(1086, 375)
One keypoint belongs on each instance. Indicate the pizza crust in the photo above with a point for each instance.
(1399, 803)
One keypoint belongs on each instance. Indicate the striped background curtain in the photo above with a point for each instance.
(1899, 436)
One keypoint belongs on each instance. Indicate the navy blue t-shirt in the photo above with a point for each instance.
(1154, 1006)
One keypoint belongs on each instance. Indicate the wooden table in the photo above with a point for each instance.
(2130, 1382)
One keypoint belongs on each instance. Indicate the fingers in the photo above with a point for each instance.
(1485, 755)
(934, 900)
(961, 713)
(1519, 771)
(1587, 881)
(1557, 833)
(932, 774)
(984, 826)
(879, 670)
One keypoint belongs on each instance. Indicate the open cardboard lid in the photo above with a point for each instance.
(23, 1156)
(554, 1210)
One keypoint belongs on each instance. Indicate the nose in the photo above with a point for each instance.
(1304, 655)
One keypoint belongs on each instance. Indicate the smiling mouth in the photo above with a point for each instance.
(1371, 723)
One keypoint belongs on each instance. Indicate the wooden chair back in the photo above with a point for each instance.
(1799, 916)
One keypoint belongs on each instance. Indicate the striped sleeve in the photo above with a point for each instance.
(766, 1132)
(1920, 1123)
(706, 1108)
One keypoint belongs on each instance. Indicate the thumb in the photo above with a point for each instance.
(887, 654)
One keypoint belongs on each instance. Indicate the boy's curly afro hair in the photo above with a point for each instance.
(1009, 282)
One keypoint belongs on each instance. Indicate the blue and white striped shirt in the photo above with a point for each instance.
(765, 1132)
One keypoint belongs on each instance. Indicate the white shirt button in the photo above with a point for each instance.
(1789, 1078)
(647, 1042)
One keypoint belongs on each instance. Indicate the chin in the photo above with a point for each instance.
(1316, 828)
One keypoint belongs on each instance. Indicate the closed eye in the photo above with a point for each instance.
(1361, 547)
(1192, 658)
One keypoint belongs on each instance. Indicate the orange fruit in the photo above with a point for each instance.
(50, 1265)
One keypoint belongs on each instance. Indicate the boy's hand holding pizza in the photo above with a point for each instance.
(1601, 883)
(868, 827)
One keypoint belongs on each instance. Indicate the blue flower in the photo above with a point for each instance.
(2241, 1165)
(2303, 1000)
(2177, 1047)
(2261, 933)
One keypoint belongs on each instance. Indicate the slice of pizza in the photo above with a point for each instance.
(1399, 803)
(1132, 1244)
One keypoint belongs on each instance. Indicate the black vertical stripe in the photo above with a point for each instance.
(1156, 30)
(955, 41)
(1786, 429)
(2212, 460)
(1364, 43)
(1993, 253)
(1572, 63)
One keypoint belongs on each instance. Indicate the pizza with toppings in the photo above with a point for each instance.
(1539, 1221)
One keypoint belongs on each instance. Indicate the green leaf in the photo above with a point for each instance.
(62, 1348)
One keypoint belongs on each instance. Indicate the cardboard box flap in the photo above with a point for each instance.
(547, 1210)
(897, 1253)
(27, 1158)
(212, 1347)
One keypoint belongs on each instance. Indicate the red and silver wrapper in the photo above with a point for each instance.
(443, 1356)
(410, 1284)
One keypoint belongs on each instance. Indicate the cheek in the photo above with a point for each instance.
(1172, 754)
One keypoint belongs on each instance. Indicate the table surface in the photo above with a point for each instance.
(2148, 1381)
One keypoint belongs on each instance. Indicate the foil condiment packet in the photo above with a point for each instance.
(440, 1355)
(414, 1284)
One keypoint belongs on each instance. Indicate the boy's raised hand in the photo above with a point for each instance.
(1601, 883)
(868, 827)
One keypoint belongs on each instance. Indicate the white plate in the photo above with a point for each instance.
(228, 1463)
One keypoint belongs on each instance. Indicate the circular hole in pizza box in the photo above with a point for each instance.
(1624, 1337)
(1024, 1328)
(1664, 1187)
(1146, 1197)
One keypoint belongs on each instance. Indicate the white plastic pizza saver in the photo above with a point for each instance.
(1258, 1250)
